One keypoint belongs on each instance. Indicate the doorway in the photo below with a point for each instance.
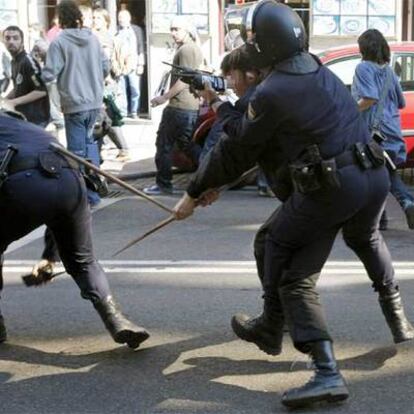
(138, 11)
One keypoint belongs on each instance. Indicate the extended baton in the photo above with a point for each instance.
(58, 148)
(171, 218)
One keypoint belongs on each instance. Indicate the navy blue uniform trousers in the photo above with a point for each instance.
(29, 199)
(294, 244)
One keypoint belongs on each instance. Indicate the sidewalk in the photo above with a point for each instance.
(140, 170)
(140, 136)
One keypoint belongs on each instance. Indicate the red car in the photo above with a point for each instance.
(343, 61)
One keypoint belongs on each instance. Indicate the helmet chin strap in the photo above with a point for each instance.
(256, 45)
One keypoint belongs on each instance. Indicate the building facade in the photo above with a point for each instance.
(339, 22)
(328, 22)
(153, 15)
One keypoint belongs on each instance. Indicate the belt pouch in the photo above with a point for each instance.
(329, 173)
(361, 155)
(305, 177)
(50, 164)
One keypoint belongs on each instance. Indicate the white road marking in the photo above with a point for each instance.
(205, 267)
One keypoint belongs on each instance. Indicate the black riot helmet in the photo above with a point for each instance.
(274, 29)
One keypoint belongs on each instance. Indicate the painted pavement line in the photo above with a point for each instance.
(205, 267)
(197, 263)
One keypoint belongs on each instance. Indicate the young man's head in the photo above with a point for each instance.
(69, 15)
(124, 19)
(101, 19)
(180, 29)
(13, 40)
(240, 70)
(87, 16)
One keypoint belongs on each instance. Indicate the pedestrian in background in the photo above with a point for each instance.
(378, 93)
(180, 115)
(76, 60)
(54, 31)
(35, 32)
(5, 67)
(29, 94)
(110, 117)
(129, 81)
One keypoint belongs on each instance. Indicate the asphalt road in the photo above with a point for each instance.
(183, 284)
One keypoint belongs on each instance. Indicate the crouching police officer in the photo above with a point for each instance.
(39, 187)
(302, 114)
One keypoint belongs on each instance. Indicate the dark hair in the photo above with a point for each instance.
(241, 59)
(374, 47)
(14, 29)
(69, 14)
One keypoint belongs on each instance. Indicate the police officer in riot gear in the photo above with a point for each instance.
(302, 114)
(38, 186)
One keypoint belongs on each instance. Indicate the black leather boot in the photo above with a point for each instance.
(393, 310)
(265, 330)
(327, 384)
(3, 332)
(121, 329)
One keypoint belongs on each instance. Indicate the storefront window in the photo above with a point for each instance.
(8, 13)
(164, 10)
(352, 17)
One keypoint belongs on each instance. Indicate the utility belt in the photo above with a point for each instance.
(48, 162)
(311, 172)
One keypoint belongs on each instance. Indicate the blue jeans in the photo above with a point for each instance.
(176, 128)
(130, 91)
(79, 127)
(400, 191)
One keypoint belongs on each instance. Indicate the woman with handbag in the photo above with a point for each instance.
(379, 96)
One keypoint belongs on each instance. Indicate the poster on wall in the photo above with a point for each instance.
(7, 18)
(353, 7)
(196, 11)
(326, 7)
(194, 6)
(352, 17)
(325, 25)
(386, 25)
(352, 25)
(381, 7)
(161, 22)
(164, 6)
